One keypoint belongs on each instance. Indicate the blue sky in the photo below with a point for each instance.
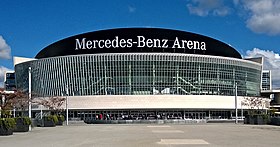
(252, 27)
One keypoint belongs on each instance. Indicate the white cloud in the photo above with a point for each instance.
(2, 72)
(5, 50)
(264, 16)
(271, 62)
(208, 7)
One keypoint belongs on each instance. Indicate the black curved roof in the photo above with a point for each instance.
(67, 46)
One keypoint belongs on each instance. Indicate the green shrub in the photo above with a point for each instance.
(61, 118)
(6, 113)
(48, 118)
(55, 119)
(51, 118)
(26, 120)
(8, 123)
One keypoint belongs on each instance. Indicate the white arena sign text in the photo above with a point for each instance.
(140, 42)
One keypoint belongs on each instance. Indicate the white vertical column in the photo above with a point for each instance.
(177, 79)
(14, 111)
(105, 71)
(67, 105)
(41, 111)
(129, 78)
(199, 78)
(154, 76)
(241, 112)
(236, 120)
(29, 95)
(218, 79)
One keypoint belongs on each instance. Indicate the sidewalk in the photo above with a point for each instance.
(127, 135)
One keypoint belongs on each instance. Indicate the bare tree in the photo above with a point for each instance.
(52, 103)
(256, 104)
(17, 100)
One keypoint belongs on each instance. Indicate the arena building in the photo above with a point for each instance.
(143, 73)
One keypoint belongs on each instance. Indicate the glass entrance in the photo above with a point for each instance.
(195, 115)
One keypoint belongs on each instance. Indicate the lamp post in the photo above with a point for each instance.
(29, 95)
(41, 112)
(14, 111)
(236, 120)
(2, 103)
(241, 112)
(67, 105)
(41, 106)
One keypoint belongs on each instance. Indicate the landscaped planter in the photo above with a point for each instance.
(251, 120)
(22, 124)
(5, 131)
(275, 121)
(60, 120)
(21, 128)
(246, 120)
(257, 120)
(7, 126)
(48, 123)
(59, 123)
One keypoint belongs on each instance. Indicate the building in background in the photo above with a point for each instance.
(266, 80)
(9, 82)
(143, 73)
(269, 91)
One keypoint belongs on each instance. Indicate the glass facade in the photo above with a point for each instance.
(266, 80)
(147, 114)
(141, 74)
(10, 84)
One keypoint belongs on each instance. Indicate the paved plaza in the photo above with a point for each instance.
(145, 135)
